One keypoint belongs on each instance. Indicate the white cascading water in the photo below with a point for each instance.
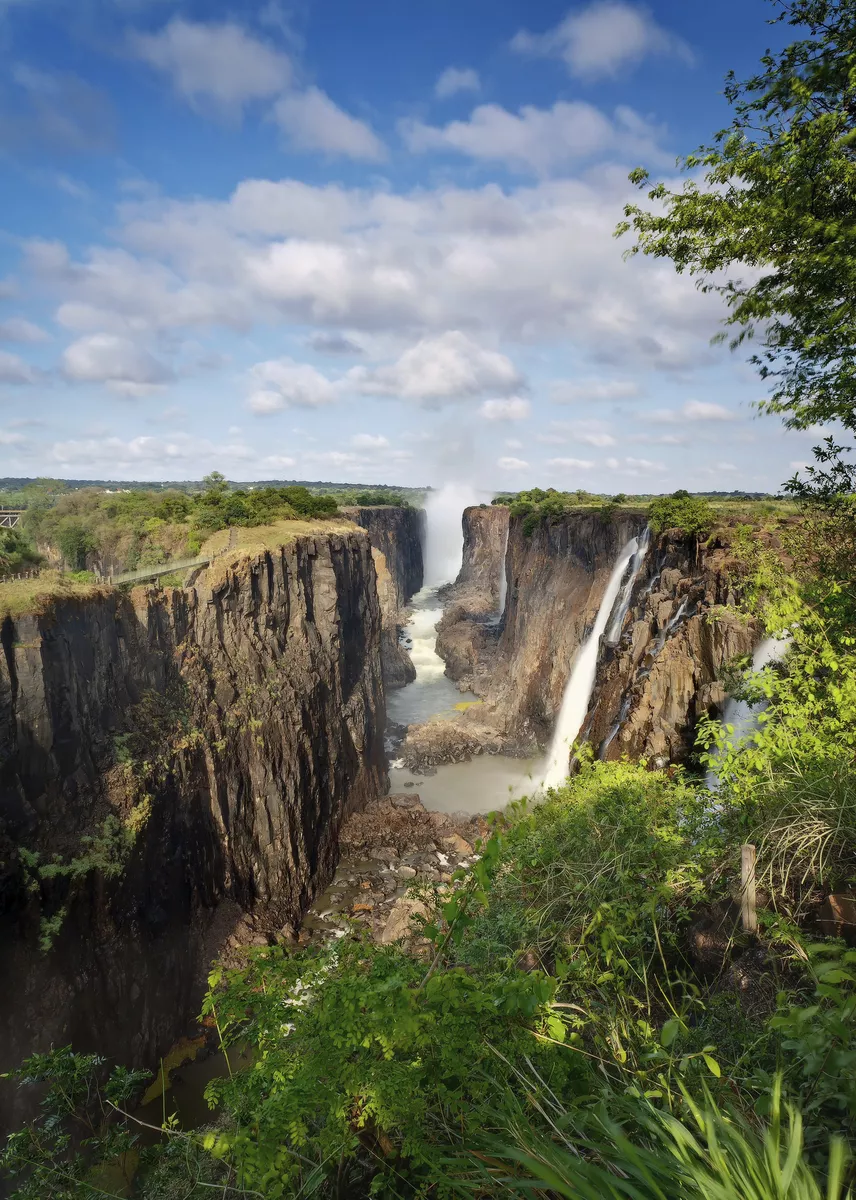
(740, 714)
(432, 692)
(575, 701)
(503, 579)
(613, 632)
(444, 538)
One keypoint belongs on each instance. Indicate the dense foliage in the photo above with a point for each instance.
(769, 225)
(692, 515)
(144, 528)
(582, 1014)
(17, 553)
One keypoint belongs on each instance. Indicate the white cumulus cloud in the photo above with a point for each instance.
(18, 329)
(456, 79)
(578, 391)
(312, 121)
(370, 441)
(119, 362)
(693, 410)
(507, 463)
(440, 369)
(14, 370)
(603, 38)
(537, 139)
(218, 63)
(577, 464)
(515, 409)
(282, 383)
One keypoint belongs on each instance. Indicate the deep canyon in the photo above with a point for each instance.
(195, 751)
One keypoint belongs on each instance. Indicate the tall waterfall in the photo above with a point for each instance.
(579, 687)
(613, 632)
(503, 578)
(444, 538)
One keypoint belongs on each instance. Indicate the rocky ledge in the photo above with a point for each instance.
(389, 848)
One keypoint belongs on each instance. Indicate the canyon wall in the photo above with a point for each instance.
(468, 631)
(397, 536)
(210, 740)
(682, 627)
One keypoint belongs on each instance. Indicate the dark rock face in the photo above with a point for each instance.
(468, 632)
(477, 586)
(681, 628)
(396, 535)
(277, 666)
(556, 580)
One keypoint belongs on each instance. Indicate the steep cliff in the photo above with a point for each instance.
(662, 672)
(683, 626)
(556, 577)
(209, 741)
(468, 632)
(396, 535)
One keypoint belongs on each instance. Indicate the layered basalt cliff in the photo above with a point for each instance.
(468, 632)
(556, 577)
(210, 740)
(682, 627)
(396, 535)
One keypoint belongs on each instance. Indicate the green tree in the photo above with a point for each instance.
(215, 483)
(74, 542)
(767, 219)
(691, 514)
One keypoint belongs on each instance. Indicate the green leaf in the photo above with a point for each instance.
(712, 1065)
(670, 1031)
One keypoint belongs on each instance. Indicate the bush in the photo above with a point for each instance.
(692, 515)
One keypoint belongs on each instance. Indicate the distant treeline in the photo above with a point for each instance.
(130, 527)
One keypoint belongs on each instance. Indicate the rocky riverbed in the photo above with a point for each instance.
(391, 847)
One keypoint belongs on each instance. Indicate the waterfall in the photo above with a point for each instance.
(613, 633)
(444, 538)
(740, 714)
(503, 578)
(579, 687)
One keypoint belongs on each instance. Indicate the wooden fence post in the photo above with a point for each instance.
(748, 906)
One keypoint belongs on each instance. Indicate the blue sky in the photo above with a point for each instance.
(367, 242)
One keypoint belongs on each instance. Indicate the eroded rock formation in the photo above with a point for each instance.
(396, 535)
(682, 627)
(468, 632)
(259, 695)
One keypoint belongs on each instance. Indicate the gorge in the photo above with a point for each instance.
(177, 762)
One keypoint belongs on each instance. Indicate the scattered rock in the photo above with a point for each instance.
(455, 844)
(407, 872)
(398, 924)
(406, 801)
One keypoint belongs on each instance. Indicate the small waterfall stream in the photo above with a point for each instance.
(613, 632)
(579, 687)
(740, 714)
(503, 578)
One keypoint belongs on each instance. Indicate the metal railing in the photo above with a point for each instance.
(9, 517)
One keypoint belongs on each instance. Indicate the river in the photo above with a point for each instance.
(487, 782)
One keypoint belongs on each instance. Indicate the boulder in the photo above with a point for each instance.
(398, 924)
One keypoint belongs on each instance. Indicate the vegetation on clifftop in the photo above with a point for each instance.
(585, 1013)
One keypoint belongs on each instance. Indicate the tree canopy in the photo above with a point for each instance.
(767, 217)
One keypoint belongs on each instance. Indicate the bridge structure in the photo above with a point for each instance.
(144, 573)
(9, 517)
